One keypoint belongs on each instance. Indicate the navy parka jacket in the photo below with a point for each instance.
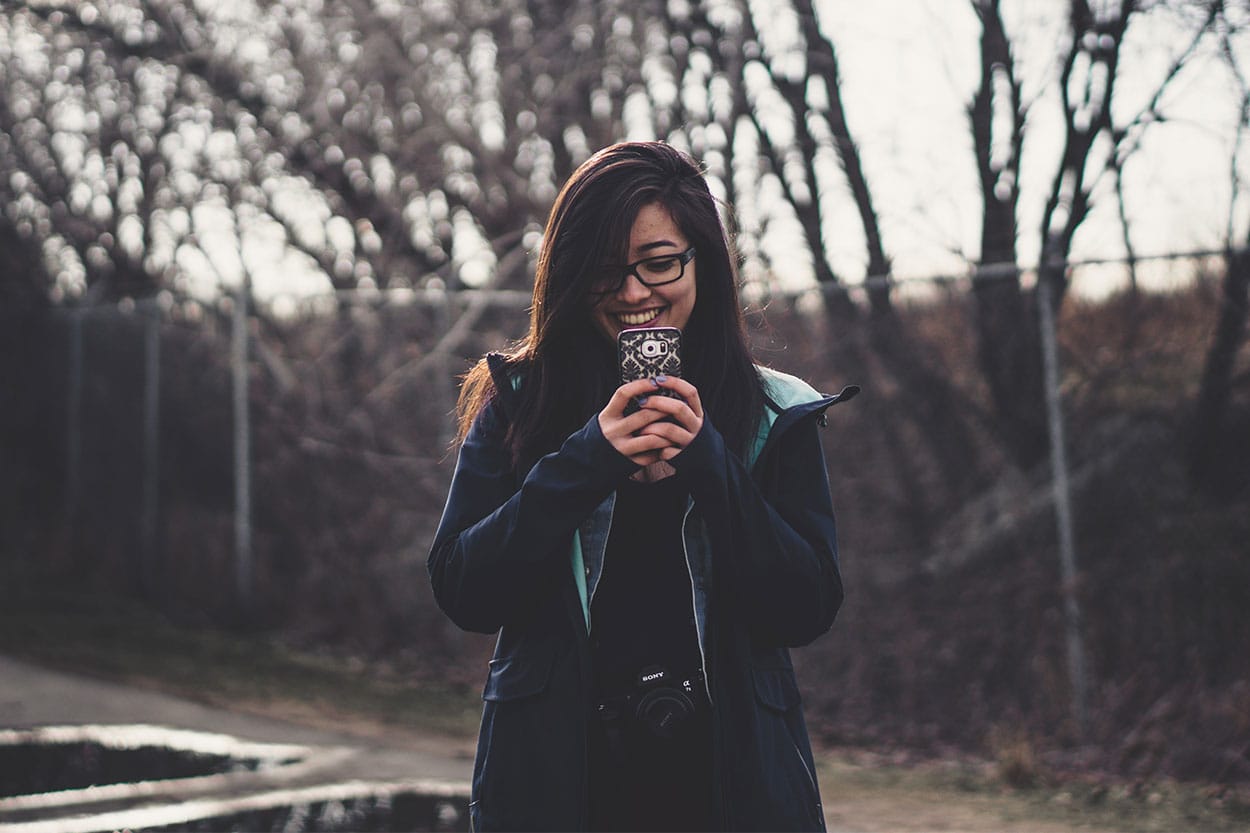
(521, 552)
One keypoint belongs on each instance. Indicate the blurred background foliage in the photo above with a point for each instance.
(373, 177)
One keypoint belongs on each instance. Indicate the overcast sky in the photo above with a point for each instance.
(909, 67)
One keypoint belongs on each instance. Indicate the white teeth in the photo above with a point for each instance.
(633, 319)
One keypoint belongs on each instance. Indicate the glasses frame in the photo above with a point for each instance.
(628, 269)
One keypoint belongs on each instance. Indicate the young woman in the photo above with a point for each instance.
(646, 567)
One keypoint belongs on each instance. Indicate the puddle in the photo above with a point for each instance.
(361, 807)
(59, 758)
(83, 779)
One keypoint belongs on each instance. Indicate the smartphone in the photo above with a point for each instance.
(644, 352)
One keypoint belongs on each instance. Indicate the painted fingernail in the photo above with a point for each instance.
(659, 380)
(642, 400)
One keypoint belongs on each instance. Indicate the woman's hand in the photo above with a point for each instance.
(680, 420)
(623, 431)
(661, 428)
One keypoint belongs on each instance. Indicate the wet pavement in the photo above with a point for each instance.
(300, 765)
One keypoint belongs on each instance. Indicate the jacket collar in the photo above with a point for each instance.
(789, 399)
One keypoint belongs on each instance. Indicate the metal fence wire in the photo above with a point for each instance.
(236, 455)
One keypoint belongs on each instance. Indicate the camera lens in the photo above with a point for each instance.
(664, 710)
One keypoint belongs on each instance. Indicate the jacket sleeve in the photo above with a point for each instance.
(779, 552)
(499, 550)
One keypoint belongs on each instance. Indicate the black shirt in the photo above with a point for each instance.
(642, 613)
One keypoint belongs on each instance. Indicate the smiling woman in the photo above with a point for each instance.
(628, 204)
(657, 693)
(656, 290)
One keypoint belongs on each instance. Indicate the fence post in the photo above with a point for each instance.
(151, 442)
(242, 451)
(73, 421)
(1046, 285)
(441, 372)
(453, 637)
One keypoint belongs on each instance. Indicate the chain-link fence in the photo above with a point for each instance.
(296, 476)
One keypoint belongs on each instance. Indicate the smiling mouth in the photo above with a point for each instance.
(637, 319)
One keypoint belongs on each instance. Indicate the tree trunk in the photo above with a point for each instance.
(1009, 352)
(1218, 442)
(1008, 343)
(823, 61)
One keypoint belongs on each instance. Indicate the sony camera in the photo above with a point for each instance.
(661, 702)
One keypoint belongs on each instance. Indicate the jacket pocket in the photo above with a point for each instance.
(787, 778)
(517, 676)
(522, 769)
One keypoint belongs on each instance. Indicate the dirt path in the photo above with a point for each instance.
(852, 808)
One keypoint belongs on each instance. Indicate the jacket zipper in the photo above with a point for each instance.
(694, 605)
(603, 565)
(717, 766)
(811, 779)
(590, 598)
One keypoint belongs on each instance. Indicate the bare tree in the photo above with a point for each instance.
(1089, 72)
(1218, 431)
(1006, 328)
(823, 63)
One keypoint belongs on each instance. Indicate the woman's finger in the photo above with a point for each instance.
(626, 435)
(675, 409)
(688, 392)
(643, 450)
(629, 425)
(675, 439)
(622, 396)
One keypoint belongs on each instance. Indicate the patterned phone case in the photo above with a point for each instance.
(650, 351)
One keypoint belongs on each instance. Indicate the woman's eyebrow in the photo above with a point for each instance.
(657, 244)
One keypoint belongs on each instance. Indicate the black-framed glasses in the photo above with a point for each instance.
(650, 271)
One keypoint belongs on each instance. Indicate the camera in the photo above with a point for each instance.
(660, 704)
(665, 703)
(653, 348)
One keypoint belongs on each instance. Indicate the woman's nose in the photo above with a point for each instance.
(633, 289)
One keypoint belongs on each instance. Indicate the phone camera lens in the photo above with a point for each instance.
(652, 348)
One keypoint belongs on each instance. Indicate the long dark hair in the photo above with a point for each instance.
(568, 367)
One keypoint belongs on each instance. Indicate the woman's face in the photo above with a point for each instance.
(634, 304)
